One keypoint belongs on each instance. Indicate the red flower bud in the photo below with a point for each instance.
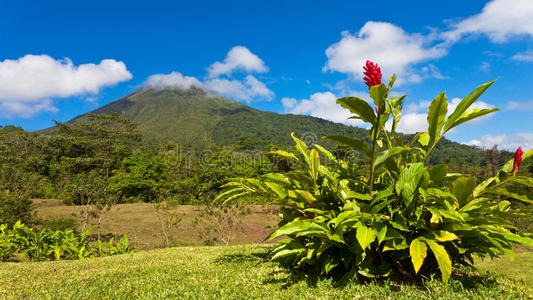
(377, 110)
(372, 74)
(517, 159)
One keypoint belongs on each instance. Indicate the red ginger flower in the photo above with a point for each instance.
(372, 74)
(517, 159)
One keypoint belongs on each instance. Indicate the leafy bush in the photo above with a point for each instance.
(14, 207)
(59, 223)
(7, 245)
(120, 247)
(400, 218)
(45, 245)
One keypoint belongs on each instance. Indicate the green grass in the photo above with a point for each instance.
(521, 268)
(231, 272)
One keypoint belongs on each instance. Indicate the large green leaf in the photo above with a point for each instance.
(444, 236)
(283, 153)
(418, 252)
(305, 196)
(378, 93)
(466, 103)
(437, 116)
(314, 164)
(383, 156)
(302, 147)
(527, 181)
(358, 196)
(423, 138)
(277, 189)
(277, 177)
(365, 236)
(443, 259)
(504, 192)
(296, 227)
(359, 107)
(409, 180)
(328, 154)
(354, 143)
(286, 253)
(462, 188)
(396, 105)
(438, 173)
(346, 216)
(470, 115)
(519, 239)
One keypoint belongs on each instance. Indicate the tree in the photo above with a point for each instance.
(97, 147)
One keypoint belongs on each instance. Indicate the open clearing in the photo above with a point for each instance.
(241, 271)
(140, 222)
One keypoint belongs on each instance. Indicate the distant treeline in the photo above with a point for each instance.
(106, 160)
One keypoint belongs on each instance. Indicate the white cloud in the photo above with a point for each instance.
(289, 103)
(247, 90)
(395, 50)
(411, 123)
(172, 80)
(238, 58)
(485, 66)
(520, 105)
(526, 56)
(322, 105)
(10, 109)
(28, 83)
(499, 20)
(505, 141)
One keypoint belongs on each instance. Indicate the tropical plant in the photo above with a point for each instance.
(45, 245)
(401, 217)
(113, 248)
(7, 246)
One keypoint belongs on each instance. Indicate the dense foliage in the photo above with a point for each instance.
(197, 119)
(23, 242)
(402, 217)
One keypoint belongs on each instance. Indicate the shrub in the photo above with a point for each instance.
(59, 223)
(45, 245)
(400, 218)
(14, 207)
(120, 247)
(221, 224)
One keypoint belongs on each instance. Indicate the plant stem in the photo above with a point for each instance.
(388, 139)
(372, 155)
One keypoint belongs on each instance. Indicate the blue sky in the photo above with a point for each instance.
(60, 59)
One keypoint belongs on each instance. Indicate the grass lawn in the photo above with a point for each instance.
(237, 272)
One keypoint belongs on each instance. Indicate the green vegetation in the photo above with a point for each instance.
(399, 219)
(150, 164)
(232, 272)
(24, 243)
(197, 119)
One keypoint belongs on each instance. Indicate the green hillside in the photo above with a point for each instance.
(199, 118)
